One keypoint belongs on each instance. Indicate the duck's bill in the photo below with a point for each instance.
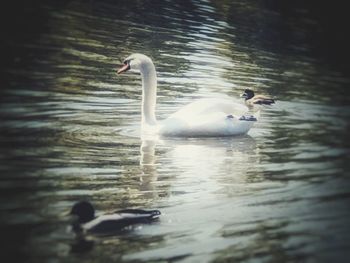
(124, 68)
(244, 95)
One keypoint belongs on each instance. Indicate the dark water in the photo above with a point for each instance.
(69, 131)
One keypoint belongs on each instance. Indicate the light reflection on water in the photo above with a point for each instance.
(70, 131)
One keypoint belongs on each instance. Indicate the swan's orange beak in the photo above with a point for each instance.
(124, 68)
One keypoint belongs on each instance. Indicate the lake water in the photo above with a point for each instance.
(70, 131)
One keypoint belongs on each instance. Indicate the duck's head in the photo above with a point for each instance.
(135, 62)
(248, 94)
(84, 211)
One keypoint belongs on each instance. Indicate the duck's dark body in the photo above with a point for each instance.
(109, 223)
(251, 98)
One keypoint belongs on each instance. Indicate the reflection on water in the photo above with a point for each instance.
(70, 131)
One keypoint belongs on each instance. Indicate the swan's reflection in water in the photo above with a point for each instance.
(148, 168)
(147, 153)
(198, 165)
(194, 176)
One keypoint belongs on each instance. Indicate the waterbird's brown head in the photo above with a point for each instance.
(248, 94)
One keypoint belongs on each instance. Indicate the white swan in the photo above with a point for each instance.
(205, 117)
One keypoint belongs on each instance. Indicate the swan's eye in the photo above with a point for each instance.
(127, 61)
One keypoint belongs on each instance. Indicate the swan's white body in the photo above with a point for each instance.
(205, 117)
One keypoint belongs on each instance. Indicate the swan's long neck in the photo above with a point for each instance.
(149, 94)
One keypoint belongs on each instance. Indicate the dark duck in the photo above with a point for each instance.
(87, 222)
(251, 99)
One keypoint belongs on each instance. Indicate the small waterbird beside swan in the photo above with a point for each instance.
(252, 100)
(204, 117)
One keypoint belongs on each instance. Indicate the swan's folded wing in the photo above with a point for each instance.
(209, 106)
(205, 125)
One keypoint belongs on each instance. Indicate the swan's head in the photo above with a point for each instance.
(135, 62)
(248, 94)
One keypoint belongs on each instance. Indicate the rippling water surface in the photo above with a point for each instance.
(70, 131)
